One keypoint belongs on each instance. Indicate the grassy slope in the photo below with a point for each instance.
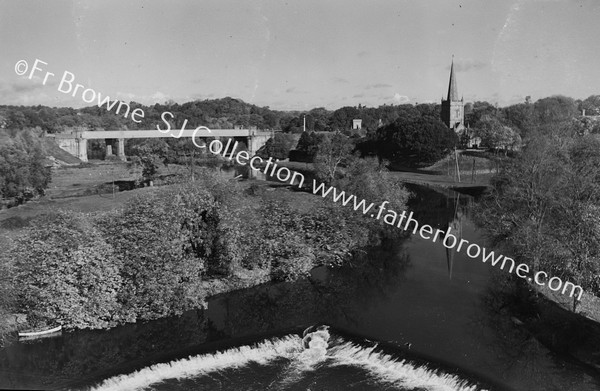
(443, 173)
(465, 163)
(51, 148)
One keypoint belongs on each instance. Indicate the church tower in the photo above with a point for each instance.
(453, 110)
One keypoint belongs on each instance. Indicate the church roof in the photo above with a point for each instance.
(452, 88)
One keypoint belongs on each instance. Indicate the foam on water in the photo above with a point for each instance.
(315, 347)
(399, 372)
(315, 342)
(261, 353)
(305, 355)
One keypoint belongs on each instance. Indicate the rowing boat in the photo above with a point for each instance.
(40, 333)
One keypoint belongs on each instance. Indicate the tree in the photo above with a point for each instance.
(554, 109)
(341, 119)
(478, 111)
(543, 207)
(591, 105)
(496, 136)
(333, 152)
(308, 146)
(164, 239)
(22, 171)
(66, 272)
(277, 147)
(520, 117)
(149, 156)
(415, 140)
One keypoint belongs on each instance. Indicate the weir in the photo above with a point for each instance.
(75, 142)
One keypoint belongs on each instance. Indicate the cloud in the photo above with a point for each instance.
(29, 92)
(201, 96)
(294, 90)
(467, 64)
(401, 98)
(378, 85)
(24, 85)
(339, 80)
(150, 99)
(359, 96)
(364, 53)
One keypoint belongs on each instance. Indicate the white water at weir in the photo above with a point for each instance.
(194, 366)
(397, 372)
(304, 355)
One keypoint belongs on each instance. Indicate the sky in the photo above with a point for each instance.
(297, 55)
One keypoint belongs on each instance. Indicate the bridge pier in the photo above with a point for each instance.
(82, 149)
(251, 149)
(121, 149)
(257, 141)
(108, 152)
(115, 145)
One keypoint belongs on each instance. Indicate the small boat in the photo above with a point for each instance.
(40, 333)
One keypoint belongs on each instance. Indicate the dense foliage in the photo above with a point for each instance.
(278, 147)
(230, 112)
(494, 135)
(159, 255)
(22, 171)
(544, 206)
(66, 272)
(417, 140)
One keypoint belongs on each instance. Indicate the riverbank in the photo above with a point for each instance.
(399, 292)
(421, 177)
(288, 226)
(550, 319)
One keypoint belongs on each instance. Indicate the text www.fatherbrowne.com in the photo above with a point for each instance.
(284, 174)
(449, 241)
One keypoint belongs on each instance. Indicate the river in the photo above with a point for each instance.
(405, 315)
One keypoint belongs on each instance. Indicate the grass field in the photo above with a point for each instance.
(479, 161)
(75, 188)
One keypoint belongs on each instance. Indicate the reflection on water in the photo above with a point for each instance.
(399, 293)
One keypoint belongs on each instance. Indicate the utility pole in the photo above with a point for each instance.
(191, 163)
(304, 125)
(457, 166)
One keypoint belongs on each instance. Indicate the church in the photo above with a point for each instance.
(453, 112)
(453, 109)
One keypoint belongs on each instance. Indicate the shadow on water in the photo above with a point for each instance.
(410, 295)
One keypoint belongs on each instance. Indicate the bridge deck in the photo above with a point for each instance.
(188, 133)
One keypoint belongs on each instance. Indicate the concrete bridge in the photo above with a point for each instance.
(76, 142)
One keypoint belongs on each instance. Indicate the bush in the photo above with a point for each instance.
(277, 147)
(419, 140)
(66, 272)
(164, 238)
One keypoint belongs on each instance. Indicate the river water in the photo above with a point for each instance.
(405, 315)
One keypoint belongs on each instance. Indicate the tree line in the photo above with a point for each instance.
(543, 205)
(229, 112)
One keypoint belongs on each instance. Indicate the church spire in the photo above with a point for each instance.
(452, 88)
